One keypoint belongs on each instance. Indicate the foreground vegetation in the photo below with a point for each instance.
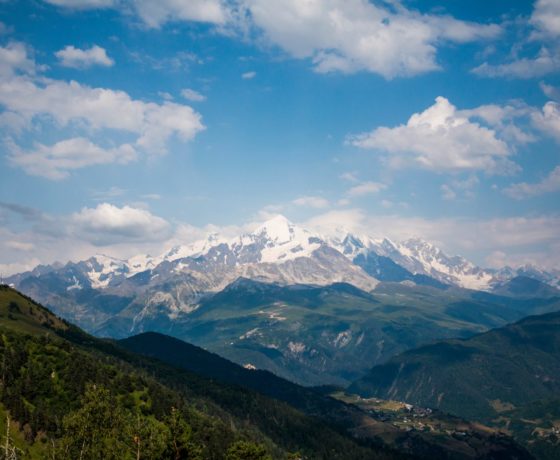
(69, 395)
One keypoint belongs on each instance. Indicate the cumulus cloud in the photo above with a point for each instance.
(545, 22)
(29, 99)
(100, 108)
(457, 188)
(335, 35)
(353, 35)
(350, 177)
(551, 183)
(106, 224)
(547, 61)
(311, 202)
(156, 13)
(366, 188)
(249, 75)
(14, 59)
(551, 91)
(120, 231)
(546, 18)
(548, 120)
(57, 160)
(442, 139)
(192, 95)
(84, 58)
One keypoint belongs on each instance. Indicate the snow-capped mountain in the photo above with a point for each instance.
(417, 257)
(275, 252)
(245, 296)
(422, 257)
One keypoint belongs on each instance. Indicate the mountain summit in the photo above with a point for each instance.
(281, 252)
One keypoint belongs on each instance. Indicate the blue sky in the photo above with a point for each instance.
(131, 125)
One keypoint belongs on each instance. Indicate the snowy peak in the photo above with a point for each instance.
(101, 270)
(425, 258)
(280, 251)
(276, 241)
(278, 230)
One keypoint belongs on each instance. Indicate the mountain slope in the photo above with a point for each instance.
(100, 408)
(513, 365)
(475, 441)
(332, 334)
(44, 391)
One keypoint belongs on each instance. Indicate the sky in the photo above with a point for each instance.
(129, 126)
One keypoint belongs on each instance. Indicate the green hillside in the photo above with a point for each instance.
(512, 365)
(69, 394)
(508, 378)
(438, 436)
(333, 334)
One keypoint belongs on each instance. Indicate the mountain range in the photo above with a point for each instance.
(310, 308)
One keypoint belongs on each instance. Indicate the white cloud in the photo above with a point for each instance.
(502, 119)
(8, 269)
(551, 91)
(73, 105)
(458, 187)
(55, 161)
(349, 176)
(442, 139)
(14, 59)
(192, 95)
(549, 184)
(336, 35)
(548, 120)
(366, 188)
(547, 61)
(249, 75)
(82, 4)
(84, 58)
(546, 18)
(353, 35)
(447, 193)
(545, 22)
(20, 245)
(108, 224)
(151, 196)
(156, 13)
(311, 202)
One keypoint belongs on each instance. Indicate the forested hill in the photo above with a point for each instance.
(476, 377)
(69, 395)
